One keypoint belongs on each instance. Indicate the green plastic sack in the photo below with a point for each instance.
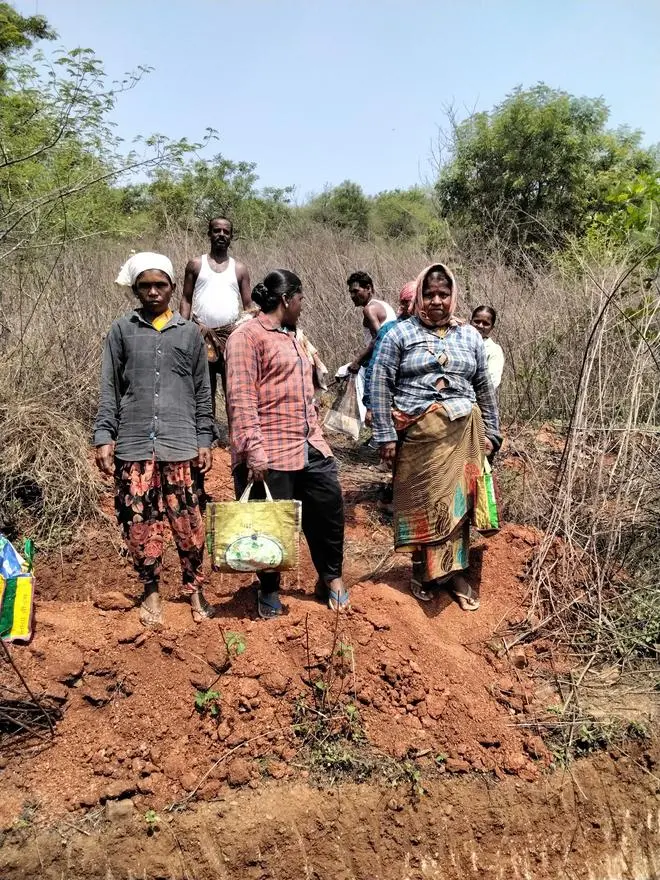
(486, 509)
(16, 591)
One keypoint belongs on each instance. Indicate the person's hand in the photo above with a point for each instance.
(204, 460)
(368, 418)
(388, 452)
(257, 474)
(354, 367)
(105, 459)
(488, 446)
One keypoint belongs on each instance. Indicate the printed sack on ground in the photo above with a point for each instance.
(16, 593)
(249, 535)
(344, 414)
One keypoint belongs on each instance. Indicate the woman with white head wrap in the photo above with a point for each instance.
(154, 430)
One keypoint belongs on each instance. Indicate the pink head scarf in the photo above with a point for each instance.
(407, 297)
(418, 307)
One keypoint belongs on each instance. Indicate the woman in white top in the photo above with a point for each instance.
(483, 319)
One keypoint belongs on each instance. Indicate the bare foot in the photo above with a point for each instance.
(200, 608)
(151, 610)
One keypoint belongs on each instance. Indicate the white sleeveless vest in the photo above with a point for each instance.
(216, 299)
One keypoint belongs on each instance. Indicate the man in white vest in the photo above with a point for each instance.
(216, 289)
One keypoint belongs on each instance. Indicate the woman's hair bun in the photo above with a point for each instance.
(260, 293)
(277, 285)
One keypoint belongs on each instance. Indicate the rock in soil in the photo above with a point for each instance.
(129, 632)
(113, 601)
(119, 811)
(238, 772)
(69, 665)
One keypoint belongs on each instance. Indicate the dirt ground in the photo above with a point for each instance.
(435, 695)
(598, 822)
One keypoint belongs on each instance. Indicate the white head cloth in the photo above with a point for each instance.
(139, 263)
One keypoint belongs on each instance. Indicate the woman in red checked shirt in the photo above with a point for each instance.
(275, 434)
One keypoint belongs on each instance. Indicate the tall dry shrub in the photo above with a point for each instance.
(595, 577)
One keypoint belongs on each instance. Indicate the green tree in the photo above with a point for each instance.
(59, 156)
(535, 170)
(402, 214)
(18, 33)
(189, 195)
(343, 207)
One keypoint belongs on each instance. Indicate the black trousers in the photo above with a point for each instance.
(317, 486)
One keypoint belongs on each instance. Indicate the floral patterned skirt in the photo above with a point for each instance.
(147, 493)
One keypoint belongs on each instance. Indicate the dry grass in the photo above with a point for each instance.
(595, 576)
(47, 484)
(54, 313)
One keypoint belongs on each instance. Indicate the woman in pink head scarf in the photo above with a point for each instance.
(435, 419)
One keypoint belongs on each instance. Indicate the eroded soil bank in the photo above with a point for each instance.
(601, 821)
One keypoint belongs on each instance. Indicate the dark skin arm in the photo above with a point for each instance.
(243, 278)
(374, 318)
(204, 460)
(388, 453)
(189, 279)
(105, 459)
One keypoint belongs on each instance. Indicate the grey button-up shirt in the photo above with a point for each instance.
(155, 391)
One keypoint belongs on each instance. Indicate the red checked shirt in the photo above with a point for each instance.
(270, 395)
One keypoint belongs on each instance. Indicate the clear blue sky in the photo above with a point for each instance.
(317, 91)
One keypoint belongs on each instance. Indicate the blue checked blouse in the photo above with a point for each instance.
(411, 361)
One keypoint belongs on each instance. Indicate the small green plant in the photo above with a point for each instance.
(592, 737)
(152, 820)
(235, 643)
(638, 730)
(208, 703)
(354, 730)
(440, 759)
(344, 650)
(414, 776)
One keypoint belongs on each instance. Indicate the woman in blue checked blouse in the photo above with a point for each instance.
(435, 418)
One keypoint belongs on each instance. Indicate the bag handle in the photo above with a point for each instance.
(245, 497)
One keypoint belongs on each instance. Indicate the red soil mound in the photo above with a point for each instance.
(428, 679)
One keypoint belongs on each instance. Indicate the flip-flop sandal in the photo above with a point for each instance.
(336, 599)
(418, 591)
(339, 600)
(467, 603)
(269, 605)
(205, 611)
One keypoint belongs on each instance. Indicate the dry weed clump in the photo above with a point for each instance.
(47, 484)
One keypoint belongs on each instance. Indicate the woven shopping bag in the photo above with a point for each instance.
(486, 508)
(249, 535)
